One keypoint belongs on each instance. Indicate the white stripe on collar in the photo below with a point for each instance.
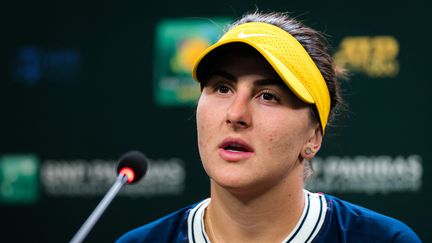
(306, 229)
(196, 230)
(311, 220)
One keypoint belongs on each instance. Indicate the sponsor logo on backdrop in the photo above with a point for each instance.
(178, 45)
(24, 179)
(367, 174)
(19, 178)
(375, 56)
(95, 177)
(32, 65)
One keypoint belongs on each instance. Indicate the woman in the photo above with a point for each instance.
(269, 89)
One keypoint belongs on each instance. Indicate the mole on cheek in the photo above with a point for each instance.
(271, 138)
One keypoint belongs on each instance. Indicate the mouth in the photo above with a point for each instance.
(235, 145)
(235, 150)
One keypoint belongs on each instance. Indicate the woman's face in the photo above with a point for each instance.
(251, 128)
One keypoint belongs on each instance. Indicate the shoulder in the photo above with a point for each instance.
(171, 228)
(353, 223)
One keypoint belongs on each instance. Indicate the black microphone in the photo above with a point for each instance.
(131, 168)
(134, 165)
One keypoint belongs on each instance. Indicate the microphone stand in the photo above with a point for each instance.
(98, 211)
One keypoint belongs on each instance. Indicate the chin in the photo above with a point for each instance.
(238, 184)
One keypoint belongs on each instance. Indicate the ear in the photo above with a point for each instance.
(313, 145)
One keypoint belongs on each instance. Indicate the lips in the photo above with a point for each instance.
(235, 149)
(235, 145)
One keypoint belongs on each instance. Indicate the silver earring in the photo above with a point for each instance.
(308, 151)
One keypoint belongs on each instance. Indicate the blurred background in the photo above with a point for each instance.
(82, 82)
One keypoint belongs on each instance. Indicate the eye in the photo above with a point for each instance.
(222, 88)
(269, 96)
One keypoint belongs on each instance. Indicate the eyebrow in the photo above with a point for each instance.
(223, 74)
(260, 82)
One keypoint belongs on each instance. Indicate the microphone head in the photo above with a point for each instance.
(134, 164)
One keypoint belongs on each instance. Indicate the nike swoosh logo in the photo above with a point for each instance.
(244, 35)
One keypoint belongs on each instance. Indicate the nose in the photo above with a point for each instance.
(238, 114)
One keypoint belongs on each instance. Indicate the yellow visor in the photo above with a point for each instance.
(288, 58)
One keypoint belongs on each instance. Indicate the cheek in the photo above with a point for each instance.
(210, 114)
(278, 142)
(201, 113)
(284, 140)
(200, 121)
(205, 123)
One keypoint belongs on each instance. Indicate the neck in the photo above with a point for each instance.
(268, 216)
